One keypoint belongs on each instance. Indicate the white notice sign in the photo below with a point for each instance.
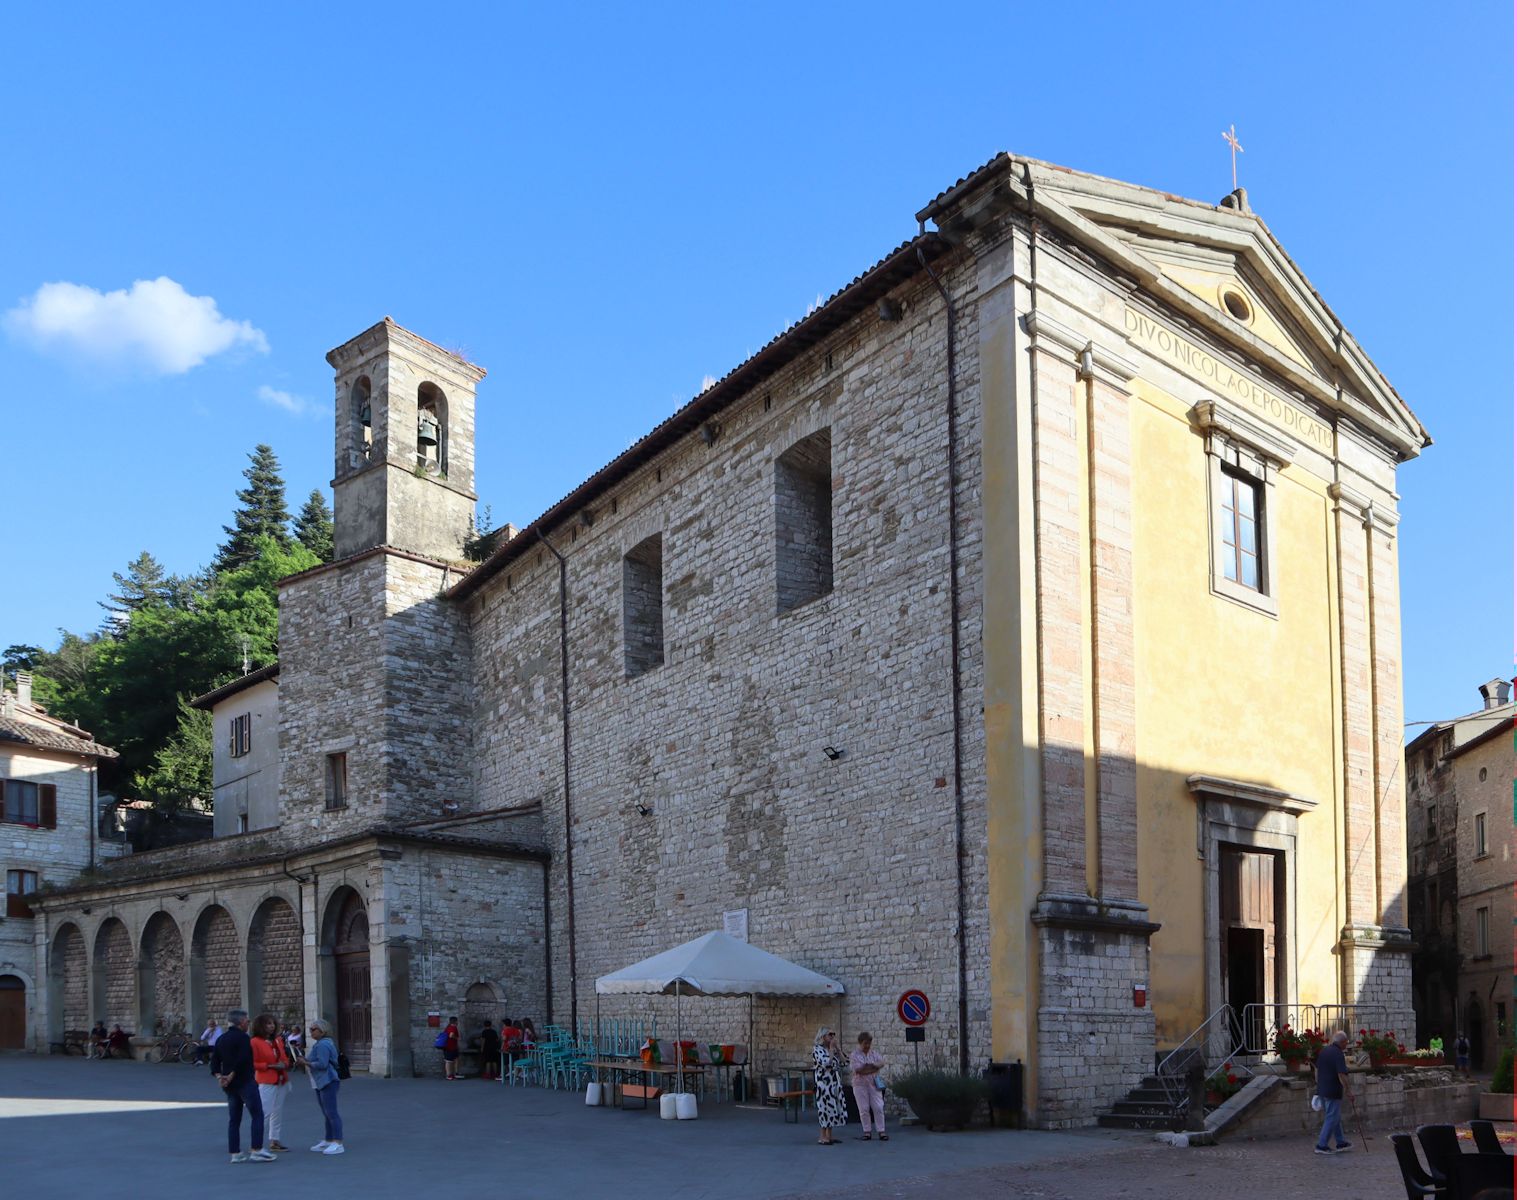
(735, 924)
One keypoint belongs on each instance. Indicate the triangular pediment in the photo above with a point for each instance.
(1217, 266)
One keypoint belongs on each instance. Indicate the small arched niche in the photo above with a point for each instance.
(431, 429)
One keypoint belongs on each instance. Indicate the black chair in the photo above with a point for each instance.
(1417, 1182)
(1482, 1177)
(1486, 1140)
(1440, 1146)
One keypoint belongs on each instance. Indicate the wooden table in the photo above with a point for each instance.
(649, 1071)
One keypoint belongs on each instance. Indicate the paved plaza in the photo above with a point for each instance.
(71, 1127)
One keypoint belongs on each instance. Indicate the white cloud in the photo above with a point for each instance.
(288, 401)
(155, 324)
(708, 382)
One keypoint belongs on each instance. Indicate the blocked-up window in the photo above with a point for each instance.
(1480, 843)
(803, 521)
(643, 606)
(1482, 932)
(337, 781)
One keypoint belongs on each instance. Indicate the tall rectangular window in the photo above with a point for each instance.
(241, 734)
(18, 886)
(337, 781)
(1482, 933)
(1242, 560)
(1480, 846)
(803, 521)
(1432, 822)
(643, 606)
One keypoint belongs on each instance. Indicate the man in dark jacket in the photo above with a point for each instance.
(232, 1065)
(1332, 1086)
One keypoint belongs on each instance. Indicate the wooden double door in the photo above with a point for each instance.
(12, 1013)
(1252, 936)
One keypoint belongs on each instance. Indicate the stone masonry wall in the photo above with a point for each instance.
(73, 977)
(1385, 1103)
(218, 947)
(115, 967)
(845, 865)
(466, 920)
(163, 949)
(275, 974)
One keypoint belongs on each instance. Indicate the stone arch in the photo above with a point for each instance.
(115, 975)
(161, 977)
(482, 1004)
(361, 420)
(276, 982)
(68, 983)
(430, 399)
(215, 965)
(345, 972)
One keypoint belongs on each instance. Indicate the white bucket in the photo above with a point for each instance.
(593, 1094)
(684, 1106)
(666, 1107)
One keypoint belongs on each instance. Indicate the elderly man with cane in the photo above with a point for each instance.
(1332, 1088)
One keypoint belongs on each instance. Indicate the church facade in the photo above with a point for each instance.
(1021, 626)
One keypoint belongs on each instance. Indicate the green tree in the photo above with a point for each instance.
(180, 773)
(261, 512)
(145, 583)
(313, 526)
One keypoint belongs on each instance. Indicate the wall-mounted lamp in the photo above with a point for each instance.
(710, 431)
(181, 896)
(832, 752)
(644, 811)
(86, 911)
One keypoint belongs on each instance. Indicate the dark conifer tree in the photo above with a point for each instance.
(144, 584)
(261, 513)
(313, 526)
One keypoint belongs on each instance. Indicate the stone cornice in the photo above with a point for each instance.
(1043, 328)
(1256, 794)
(1371, 515)
(1086, 912)
(1219, 418)
(1091, 359)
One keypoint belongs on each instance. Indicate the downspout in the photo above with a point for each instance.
(563, 687)
(547, 942)
(953, 636)
(94, 820)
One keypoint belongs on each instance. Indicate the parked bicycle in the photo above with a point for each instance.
(173, 1047)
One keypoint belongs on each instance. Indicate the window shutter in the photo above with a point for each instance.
(2, 799)
(47, 805)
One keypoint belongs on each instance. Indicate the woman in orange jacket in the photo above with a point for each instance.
(271, 1070)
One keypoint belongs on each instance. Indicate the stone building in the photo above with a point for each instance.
(1462, 855)
(47, 838)
(951, 639)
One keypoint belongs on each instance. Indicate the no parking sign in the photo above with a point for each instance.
(913, 1007)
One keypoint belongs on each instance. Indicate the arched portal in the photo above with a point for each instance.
(345, 946)
(68, 984)
(161, 977)
(12, 1012)
(115, 976)
(275, 979)
(481, 1007)
(215, 966)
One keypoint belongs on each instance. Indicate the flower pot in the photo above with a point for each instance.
(944, 1114)
(1495, 1106)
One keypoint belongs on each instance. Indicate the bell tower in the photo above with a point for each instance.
(405, 445)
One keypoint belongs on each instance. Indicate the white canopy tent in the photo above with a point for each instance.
(716, 964)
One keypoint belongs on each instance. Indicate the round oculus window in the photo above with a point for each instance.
(1237, 305)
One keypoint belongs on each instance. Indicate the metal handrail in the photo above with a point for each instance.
(1174, 1067)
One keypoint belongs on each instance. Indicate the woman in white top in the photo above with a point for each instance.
(865, 1064)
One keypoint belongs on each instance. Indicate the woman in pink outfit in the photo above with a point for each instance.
(865, 1064)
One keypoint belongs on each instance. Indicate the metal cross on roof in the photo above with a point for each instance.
(1230, 136)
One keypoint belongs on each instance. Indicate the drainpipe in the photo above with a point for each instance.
(563, 688)
(94, 818)
(953, 634)
(547, 943)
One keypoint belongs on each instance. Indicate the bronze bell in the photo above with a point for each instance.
(426, 429)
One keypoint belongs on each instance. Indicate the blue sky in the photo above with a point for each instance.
(604, 206)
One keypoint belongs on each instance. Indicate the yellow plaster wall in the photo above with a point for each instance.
(1224, 690)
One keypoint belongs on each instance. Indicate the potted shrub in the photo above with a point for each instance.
(1379, 1047)
(941, 1098)
(1496, 1104)
(1298, 1047)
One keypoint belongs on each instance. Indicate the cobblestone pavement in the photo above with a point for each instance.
(1279, 1170)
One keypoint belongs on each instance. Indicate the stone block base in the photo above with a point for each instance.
(1384, 1103)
